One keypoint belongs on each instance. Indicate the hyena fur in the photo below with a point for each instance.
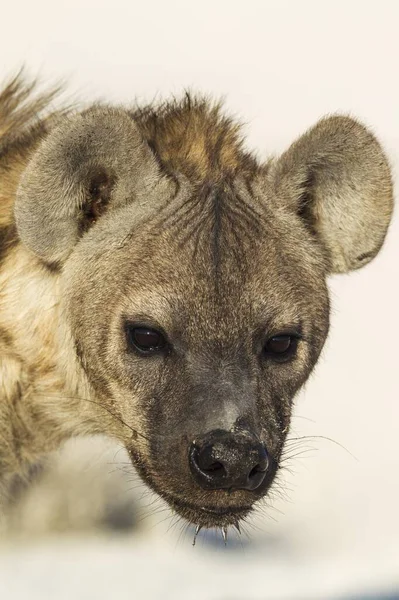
(161, 286)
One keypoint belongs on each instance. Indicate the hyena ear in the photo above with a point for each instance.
(337, 179)
(90, 163)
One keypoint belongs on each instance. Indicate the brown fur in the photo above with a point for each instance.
(158, 215)
(23, 123)
(193, 137)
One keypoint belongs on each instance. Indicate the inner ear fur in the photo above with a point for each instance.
(336, 177)
(90, 163)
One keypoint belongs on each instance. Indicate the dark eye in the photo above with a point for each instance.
(281, 347)
(145, 339)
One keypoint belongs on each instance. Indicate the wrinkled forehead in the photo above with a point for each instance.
(236, 280)
(211, 261)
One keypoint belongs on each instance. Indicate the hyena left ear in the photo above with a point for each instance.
(91, 163)
(336, 177)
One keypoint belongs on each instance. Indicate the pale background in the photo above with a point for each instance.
(280, 65)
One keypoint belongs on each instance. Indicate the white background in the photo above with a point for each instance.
(280, 66)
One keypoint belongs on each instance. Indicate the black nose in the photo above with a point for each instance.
(224, 460)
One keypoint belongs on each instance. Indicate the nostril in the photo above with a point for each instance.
(258, 472)
(215, 466)
(257, 469)
(206, 467)
(254, 471)
(207, 460)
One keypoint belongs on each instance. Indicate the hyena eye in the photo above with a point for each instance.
(281, 347)
(145, 339)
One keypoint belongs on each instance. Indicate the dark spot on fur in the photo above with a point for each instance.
(6, 338)
(120, 516)
(8, 240)
(54, 267)
(20, 483)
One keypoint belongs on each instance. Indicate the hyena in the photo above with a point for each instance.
(161, 286)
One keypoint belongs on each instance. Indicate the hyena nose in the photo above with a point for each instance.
(224, 460)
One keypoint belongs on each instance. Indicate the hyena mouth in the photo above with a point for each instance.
(208, 516)
(227, 513)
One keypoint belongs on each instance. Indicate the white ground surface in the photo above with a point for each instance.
(281, 65)
(156, 569)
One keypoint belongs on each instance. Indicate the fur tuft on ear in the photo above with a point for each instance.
(336, 177)
(91, 162)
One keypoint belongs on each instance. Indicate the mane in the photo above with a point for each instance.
(192, 136)
(21, 107)
(24, 120)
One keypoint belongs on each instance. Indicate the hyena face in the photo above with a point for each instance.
(198, 328)
(193, 283)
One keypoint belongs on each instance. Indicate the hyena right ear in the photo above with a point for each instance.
(90, 163)
(337, 179)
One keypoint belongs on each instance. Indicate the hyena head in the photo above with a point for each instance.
(193, 282)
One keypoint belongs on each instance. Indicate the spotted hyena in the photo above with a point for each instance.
(161, 286)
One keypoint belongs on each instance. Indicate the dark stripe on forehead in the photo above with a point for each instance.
(216, 198)
(220, 225)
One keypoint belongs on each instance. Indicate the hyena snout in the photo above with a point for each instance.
(225, 460)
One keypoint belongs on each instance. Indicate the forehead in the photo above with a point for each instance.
(216, 258)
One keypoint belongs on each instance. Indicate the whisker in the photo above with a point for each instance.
(112, 414)
(294, 416)
(324, 437)
(297, 454)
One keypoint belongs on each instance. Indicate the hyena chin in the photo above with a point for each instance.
(162, 287)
